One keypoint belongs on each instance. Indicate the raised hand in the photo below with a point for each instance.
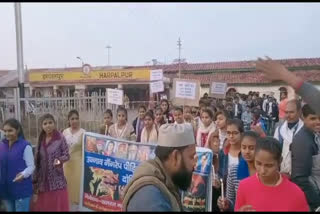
(272, 69)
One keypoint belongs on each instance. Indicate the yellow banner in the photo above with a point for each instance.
(103, 76)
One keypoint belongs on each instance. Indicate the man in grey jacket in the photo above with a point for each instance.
(305, 156)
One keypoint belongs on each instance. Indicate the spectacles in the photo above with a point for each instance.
(233, 133)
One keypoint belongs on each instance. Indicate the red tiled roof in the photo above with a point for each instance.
(244, 78)
(223, 76)
(290, 63)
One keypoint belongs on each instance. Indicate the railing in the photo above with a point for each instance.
(90, 108)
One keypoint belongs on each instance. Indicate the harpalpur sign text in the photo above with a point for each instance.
(79, 76)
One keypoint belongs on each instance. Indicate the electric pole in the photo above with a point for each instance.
(19, 43)
(179, 46)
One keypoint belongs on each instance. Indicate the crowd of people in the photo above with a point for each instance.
(265, 154)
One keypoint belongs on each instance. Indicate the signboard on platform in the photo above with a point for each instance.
(156, 87)
(115, 96)
(156, 75)
(218, 89)
(186, 92)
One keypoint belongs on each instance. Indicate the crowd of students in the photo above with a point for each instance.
(278, 173)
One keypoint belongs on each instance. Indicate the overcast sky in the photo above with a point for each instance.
(54, 34)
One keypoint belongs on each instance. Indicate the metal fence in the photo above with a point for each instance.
(90, 108)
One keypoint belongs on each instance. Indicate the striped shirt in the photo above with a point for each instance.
(232, 185)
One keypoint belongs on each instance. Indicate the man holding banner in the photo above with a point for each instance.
(156, 183)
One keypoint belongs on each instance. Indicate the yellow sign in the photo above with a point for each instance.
(100, 76)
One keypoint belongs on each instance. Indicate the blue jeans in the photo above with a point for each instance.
(19, 205)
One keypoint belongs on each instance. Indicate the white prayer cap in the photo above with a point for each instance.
(176, 135)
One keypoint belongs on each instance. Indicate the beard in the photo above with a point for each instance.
(182, 179)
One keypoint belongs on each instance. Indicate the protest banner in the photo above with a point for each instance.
(109, 164)
(198, 198)
(186, 92)
(156, 75)
(115, 96)
(156, 87)
(218, 89)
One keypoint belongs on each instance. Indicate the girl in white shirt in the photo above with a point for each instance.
(72, 168)
(149, 133)
(74, 132)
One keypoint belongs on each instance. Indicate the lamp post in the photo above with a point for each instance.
(78, 57)
(108, 47)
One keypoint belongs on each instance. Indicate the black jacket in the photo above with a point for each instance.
(275, 112)
(303, 147)
(239, 111)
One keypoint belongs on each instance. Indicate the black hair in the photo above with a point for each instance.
(256, 112)
(238, 123)
(163, 152)
(296, 102)
(252, 134)
(166, 101)
(41, 138)
(270, 145)
(120, 108)
(187, 107)
(209, 112)
(213, 109)
(72, 112)
(158, 109)
(142, 107)
(110, 142)
(149, 114)
(177, 108)
(108, 111)
(223, 112)
(307, 110)
(16, 125)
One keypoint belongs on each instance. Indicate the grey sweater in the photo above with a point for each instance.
(303, 147)
(311, 95)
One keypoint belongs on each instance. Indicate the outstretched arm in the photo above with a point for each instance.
(276, 71)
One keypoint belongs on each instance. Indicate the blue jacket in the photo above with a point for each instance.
(3, 171)
(223, 163)
(12, 163)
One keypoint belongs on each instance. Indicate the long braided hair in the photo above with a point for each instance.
(40, 139)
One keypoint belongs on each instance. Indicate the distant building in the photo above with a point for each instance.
(134, 80)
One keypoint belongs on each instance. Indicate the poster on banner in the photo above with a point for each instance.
(108, 166)
(115, 96)
(156, 75)
(186, 92)
(156, 87)
(218, 89)
(198, 198)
